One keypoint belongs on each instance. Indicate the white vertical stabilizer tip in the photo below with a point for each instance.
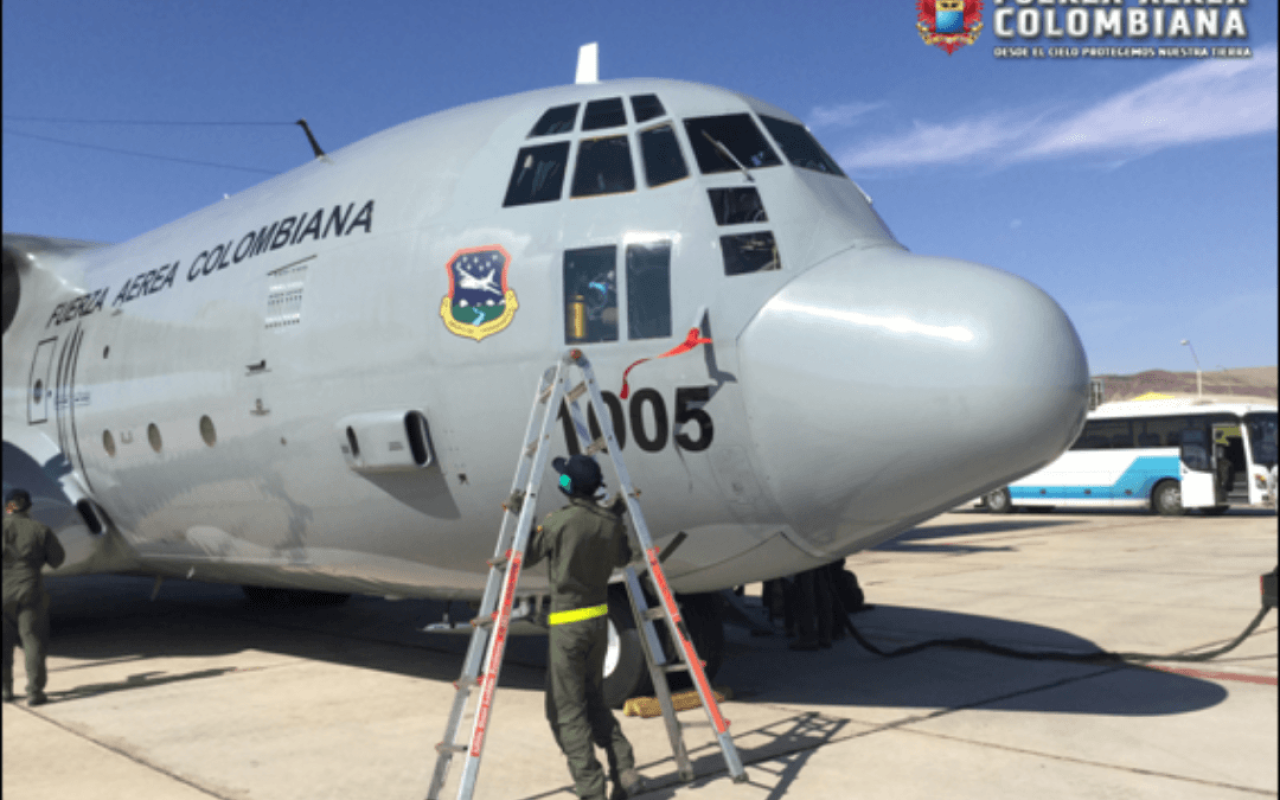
(588, 64)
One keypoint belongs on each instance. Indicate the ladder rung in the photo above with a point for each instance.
(596, 446)
(482, 622)
(451, 748)
(531, 448)
(576, 392)
(497, 562)
(654, 613)
(678, 666)
(546, 393)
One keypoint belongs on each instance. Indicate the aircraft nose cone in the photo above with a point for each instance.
(882, 386)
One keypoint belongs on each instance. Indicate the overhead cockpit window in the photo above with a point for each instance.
(737, 206)
(662, 160)
(538, 175)
(727, 143)
(604, 167)
(557, 120)
(604, 114)
(800, 147)
(750, 252)
(590, 295)
(649, 290)
(646, 107)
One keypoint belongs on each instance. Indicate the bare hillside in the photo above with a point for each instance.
(1256, 384)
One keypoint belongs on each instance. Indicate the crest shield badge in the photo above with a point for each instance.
(949, 24)
(479, 302)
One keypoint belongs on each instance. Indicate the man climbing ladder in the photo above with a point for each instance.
(582, 544)
(580, 603)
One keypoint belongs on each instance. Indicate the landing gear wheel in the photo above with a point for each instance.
(999, 501)
(1167, 499)
(625, 672)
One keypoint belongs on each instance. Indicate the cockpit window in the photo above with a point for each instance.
(646, 107)
(538, 175)
(604, 167)
(737, 206)
(750, 252)
(557, 120)
(590, 295)
(662, 160)
(799, 146)
(649, 290)
(604, 114)
(735, 133)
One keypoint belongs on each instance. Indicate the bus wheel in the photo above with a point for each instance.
(998, 502)
(1167, 499)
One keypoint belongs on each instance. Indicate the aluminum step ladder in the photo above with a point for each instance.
(483, 660)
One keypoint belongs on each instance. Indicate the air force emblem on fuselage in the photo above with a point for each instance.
(478, 303)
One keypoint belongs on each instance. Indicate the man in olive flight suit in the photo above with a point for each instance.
(582, 544)
(28, 546)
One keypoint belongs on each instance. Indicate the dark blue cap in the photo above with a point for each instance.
(579, 475)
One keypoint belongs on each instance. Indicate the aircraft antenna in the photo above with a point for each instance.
(588, 64)
(315, 146)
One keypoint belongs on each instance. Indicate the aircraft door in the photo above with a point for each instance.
(1197, 462)
(38, 388)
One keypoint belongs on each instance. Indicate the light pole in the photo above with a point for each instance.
(1187, 342)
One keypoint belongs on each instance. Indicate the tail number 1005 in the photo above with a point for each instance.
(651, 429)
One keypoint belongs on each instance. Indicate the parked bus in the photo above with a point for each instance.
(1163, 455)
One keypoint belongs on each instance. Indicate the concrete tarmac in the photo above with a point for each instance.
(198, 695)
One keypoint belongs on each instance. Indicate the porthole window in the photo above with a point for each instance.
(153, 436)
(109, 443)
(37, 391)
(207, 431)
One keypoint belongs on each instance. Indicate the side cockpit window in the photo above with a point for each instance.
(604, 167)
(799, 146)
(750, 252)
(649, 290)
(538, 175)
(662, 160)
(728, 142)
(737, 206)
(590, 295)
(602, 114)
(556, 120)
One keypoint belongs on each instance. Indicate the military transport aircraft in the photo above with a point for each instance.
(321, 383)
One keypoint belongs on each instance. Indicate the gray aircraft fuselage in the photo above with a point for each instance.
(323, 381)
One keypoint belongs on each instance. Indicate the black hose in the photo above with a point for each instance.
(1099, 657)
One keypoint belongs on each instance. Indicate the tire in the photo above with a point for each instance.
(999, 501)
(1166, 499)
(705, 623)
(625, 672)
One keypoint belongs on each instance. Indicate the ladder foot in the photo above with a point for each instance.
(686, 775)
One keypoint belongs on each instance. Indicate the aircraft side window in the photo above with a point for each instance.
(662, 160)
(646, 107)
(799, 146)
(749, 252)
(538, 175)
(604, 167)
(738, 134)
(649, 290)
(737, 206)
(556, 120)
(604, 114)
(590, 295)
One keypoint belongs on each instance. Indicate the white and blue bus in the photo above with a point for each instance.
(1163, 455)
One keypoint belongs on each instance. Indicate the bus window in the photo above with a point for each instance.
(1262, 437)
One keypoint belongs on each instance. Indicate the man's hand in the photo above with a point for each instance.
(617, 504)
(515, 502)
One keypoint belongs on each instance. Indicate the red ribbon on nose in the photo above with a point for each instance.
(691, 341)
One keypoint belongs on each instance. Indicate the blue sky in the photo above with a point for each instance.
(1140, 193)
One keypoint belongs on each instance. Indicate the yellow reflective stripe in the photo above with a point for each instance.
(578, 614)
